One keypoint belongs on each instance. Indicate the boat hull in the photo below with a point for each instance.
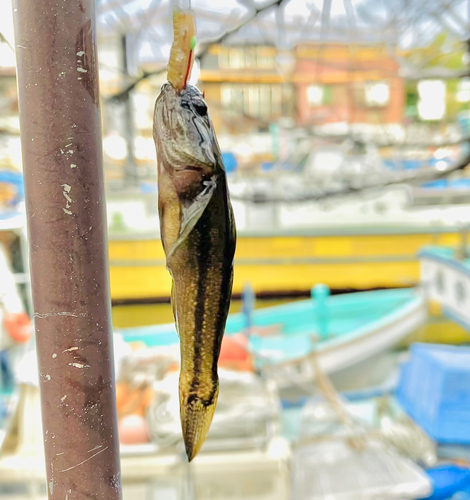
(359, 330)
(356, 363)
(343, 258)
(445, 280)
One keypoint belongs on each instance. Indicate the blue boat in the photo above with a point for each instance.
(348, 335)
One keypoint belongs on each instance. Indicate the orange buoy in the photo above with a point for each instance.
(18, 326)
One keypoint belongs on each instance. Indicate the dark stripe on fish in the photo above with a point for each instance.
(202, 253)
(224, 300)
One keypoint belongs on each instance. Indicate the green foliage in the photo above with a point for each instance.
(327, 94)
(411, 93)
(411, 99)
(442, 51)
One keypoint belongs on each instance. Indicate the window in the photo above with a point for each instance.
(236, 58)
(247, 57)
(258, 100)
(223, 58)
(463, 90)
(265, 101)
(315, 95)
(251, 60)
(318, 95)
(265, 57)
(233, 97)
(377, 94)
(432, 99)
(232, 57)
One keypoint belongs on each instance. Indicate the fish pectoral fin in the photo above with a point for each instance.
(192, 213)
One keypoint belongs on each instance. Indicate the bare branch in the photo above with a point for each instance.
(409, 72)
(122, 95)
(227, 34)
(453, 15)
(325, 18)
(390, 144)
(4, 40)
(312, 19)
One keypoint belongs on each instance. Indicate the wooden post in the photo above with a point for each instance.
(62, 155)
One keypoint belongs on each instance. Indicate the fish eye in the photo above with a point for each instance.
(201, 108)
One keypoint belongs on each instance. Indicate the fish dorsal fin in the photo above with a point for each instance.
(192, 213)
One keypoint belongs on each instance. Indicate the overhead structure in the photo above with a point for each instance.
(287, 22)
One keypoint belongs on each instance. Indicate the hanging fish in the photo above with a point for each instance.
(198, 236)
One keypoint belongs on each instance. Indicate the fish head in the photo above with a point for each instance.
(184, 135)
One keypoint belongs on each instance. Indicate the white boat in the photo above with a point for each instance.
(350, 335)
(445, 279)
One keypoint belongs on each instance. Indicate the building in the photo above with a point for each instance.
(243, 86)
(314, 84)
(341, 83)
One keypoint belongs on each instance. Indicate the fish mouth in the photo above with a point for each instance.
(196, 417)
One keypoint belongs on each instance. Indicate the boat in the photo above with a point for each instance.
(282, 248)
(353, 242)
(445, 280)
(363, 437)
(350, 335)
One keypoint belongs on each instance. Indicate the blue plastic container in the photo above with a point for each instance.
(448, 481)
(434, 389)
(230, 162)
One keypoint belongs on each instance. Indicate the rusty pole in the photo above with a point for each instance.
(62, 155)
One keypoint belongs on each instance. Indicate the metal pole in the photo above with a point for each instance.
(62, 155)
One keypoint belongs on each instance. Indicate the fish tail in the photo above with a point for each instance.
(196, 416)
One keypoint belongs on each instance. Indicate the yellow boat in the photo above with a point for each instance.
(342, 258)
